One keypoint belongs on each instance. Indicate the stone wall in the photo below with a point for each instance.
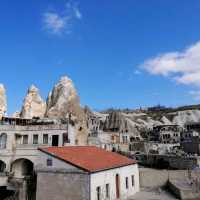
(167, 161)
(68, 185)
(183, 190)
(158, 178)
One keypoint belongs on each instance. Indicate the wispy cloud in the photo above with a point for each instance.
(181, 66)
(60, 22)
(54, 23)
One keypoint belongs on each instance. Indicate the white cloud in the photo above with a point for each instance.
(59, 22)
(54, 23)
(184, 66)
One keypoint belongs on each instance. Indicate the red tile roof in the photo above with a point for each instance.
(89, 158)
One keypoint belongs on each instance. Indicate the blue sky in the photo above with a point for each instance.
(118, 53)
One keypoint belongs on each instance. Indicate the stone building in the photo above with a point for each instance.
(93, 174)
(113, 131)
(167, 133)
(19, 142)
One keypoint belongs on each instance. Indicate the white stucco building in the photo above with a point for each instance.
(91, 172)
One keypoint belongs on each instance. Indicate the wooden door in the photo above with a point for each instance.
(117, 186)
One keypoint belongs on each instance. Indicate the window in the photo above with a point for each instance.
(3, 140)
(126, 182)
(2, 166)
(49, 162)
(25, 139)
(132, 180)
(98, 193)
(65, 138)
(35, 139)
(107, 190)
(45, 139)
(124, 139)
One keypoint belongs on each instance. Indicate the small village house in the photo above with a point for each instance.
(85, 172)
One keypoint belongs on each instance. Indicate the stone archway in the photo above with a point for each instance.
(25, 178)
(22, 167)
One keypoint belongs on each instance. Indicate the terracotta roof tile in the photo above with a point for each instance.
(89, 158)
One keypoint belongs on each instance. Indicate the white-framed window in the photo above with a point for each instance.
(45, 138)
(25, 139)
(35, 139)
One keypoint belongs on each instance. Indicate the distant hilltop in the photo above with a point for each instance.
(157, 108)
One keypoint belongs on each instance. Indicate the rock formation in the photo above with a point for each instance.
(62, 102)
(120, 122)
(187, 116)
(62, 99)
(3, 101)
(145, 120)
(34, 105)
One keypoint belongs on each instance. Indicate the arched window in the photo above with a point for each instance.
(3, 140)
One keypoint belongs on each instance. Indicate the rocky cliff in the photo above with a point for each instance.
(3, 100)
(34, 105)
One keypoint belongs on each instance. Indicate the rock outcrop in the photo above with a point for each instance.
(34, 105)
(63, 101)
(3, 101)
(187, 116)
(145, 120)
(120, 122)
